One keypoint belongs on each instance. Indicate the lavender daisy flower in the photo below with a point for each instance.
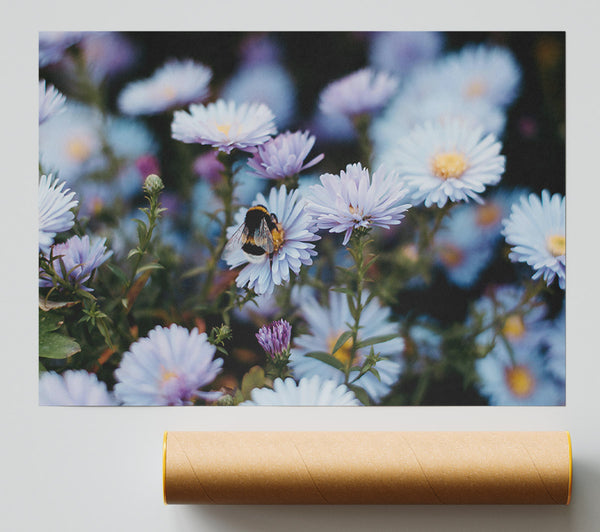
(107, 53)
(55, 206)
(326, 324)
(293, 248)
(53, 45)
(275, 338)
(51, 101)
(312, 391)
(81, 257)
(354, 200)
(450, 161)
(168, 367)
(284, 156)
(536, 230)
(401, 51)
(364, 91)
(175, 84)
(224, 125)
(481, 72)
(73, 388)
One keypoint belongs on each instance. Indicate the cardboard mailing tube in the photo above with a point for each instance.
(367, 467)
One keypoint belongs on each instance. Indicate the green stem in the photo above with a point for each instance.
(361, 125)
(225, 191)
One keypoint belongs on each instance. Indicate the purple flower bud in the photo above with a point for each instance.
(275, 338)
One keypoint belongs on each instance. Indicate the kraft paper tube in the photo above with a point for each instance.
(367, 467)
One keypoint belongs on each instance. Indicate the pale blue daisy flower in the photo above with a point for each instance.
(556, 344)
(505, 303)
(51, 101)
(460, 248)
(353, 199)
(71, 143)
(482, 72)
(168, 367)
(81, 257)
(450, 161)
(424, 341)
(269, 84)
(174, 85)
(312, 391)
(73, 388)
(520, 379)
(54, 205)
(225, 125)
(129, 138)
(536, 232)
(364, 91)
(326, 324)
(401, 51)
(53, 45)
(284, 155)
(293, 248)
(407, 111)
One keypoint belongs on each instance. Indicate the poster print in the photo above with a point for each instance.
(301, 218)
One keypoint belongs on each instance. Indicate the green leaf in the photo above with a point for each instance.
(376, 340)
(375, 372)
(49, 322)
(361, 395)
(118, 272)
(341, 341)
(56, 345)
(149, 267)
(133, 253)
(255, 378)
(327, 359)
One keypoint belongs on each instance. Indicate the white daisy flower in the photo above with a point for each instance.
(354, 200)
(175, 84)
(482, 72)
(326, 324)
(292, 249)
(55, 206)
(448, 161)
(73, 388)
(225, 125)
(311, 391)
(536, 230)
(51, 101)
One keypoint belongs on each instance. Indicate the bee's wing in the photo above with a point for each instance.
(263, 237)
(237, 239)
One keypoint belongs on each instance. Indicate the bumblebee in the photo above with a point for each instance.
(261, 234)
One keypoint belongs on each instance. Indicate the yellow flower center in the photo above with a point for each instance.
(278, 235)
(224, 128)
(451, 256)
(488, 214)
(167, 376)
(556, 244)
(344, 353)
(410, 252)
(354, 210)
(520, 381)
(78, 149)
(168, 92)
(449, 164)
(475, 88)
(514, 328)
